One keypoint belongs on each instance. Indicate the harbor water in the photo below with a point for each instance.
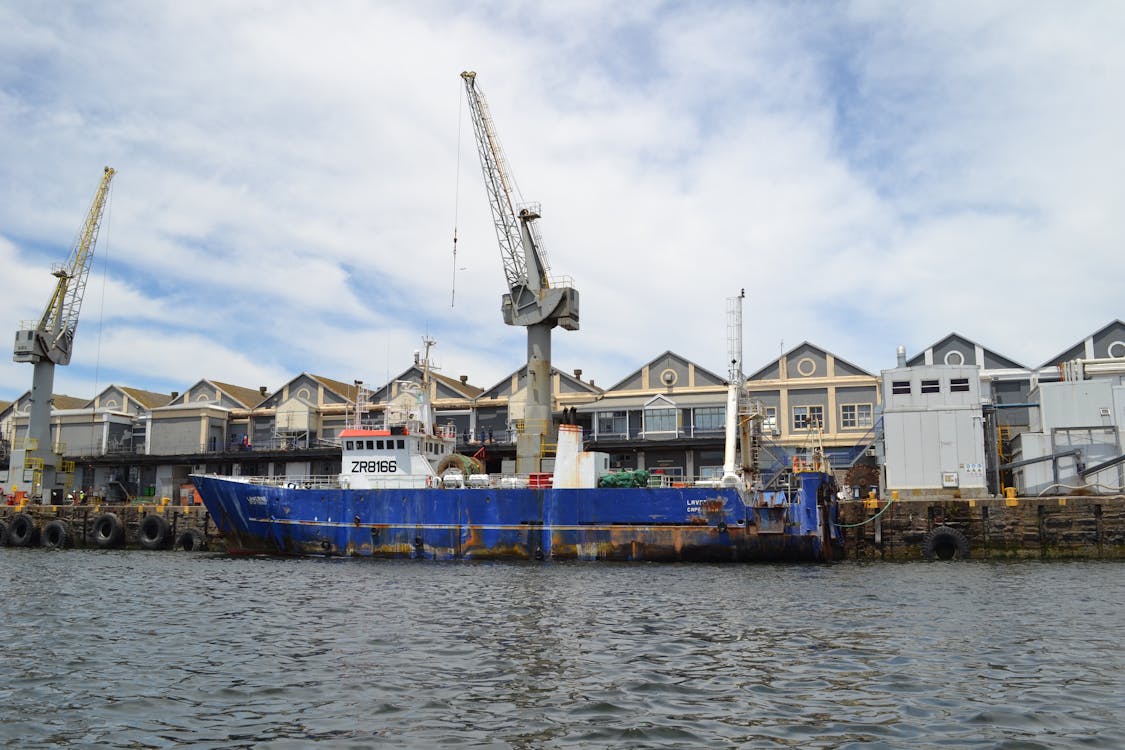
(149, 650)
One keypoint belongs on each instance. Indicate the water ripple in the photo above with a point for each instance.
(148, 650)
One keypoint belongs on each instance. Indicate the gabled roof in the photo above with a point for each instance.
(58, 400)
(147, 399)
(503, 385)
(415, 374)
(245, 397)
(470, 391)
(993, 360)
(340, 388)
(1078, 350)
(662, 358)
(776, 363)
(248, 397)
(69, 402)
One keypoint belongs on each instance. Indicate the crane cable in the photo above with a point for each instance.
(456, 200)
(101, 305)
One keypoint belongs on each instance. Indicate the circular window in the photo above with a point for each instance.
(806, 366)
(305, 393)
(1116, 349)
(669, 377)
(954, 358)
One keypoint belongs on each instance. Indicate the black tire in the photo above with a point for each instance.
(22, 531)
(945, 543)
(192, 540)
(3, 534)
(153, 533)
(108, 531)
(56, 535)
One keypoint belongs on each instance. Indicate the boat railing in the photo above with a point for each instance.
(538, 480)
(305, 481)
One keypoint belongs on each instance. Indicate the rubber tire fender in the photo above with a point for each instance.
(108, 531)
(152, 532)
(192, 540)
(22, 531)
(55, 535)
(945, 543)
(3, 534)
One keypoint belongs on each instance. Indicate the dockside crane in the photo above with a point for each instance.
(49, 342)
(534, 299)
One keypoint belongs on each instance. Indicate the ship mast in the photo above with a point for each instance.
(735, 385)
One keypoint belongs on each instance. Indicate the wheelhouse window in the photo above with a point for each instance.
(853, 416)
(931, 386)
(959, 385)
(807, 417)
(901, 387)
(710, 418)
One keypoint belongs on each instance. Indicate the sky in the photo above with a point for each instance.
(290, 176)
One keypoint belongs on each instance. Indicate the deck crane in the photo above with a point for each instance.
(534, 299)
(50, 341)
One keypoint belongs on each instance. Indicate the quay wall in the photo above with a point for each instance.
(1077, 527)
(179, 527)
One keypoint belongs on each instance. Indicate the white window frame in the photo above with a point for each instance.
(858, 419)
(769, 423)
(803, 416)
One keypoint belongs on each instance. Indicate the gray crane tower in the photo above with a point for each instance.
(534, 299)
(49, 342)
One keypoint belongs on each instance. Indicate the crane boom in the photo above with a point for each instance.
(534, 300)
(53, 336)
(49, 342)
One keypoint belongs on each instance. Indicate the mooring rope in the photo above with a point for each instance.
(869, 520)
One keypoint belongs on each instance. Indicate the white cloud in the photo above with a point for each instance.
(288, 180)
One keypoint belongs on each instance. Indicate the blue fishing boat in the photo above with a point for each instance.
(404, 492)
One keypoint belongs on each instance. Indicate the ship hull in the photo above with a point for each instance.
(628, 524)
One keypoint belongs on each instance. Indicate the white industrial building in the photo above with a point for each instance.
(933, 436)
(1076, 434)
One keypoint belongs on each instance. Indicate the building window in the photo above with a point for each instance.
(930, 386)
(612, 423)
(710, 472)
(710, 418)
(959, 385)
(807, 417)
(660, 420)
(900, 386)
(855, 416)
(769, 424)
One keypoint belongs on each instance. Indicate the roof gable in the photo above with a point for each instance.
(956, 349)
(807, 360)
(667, 370)
(220, 394)
(1107, 342)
